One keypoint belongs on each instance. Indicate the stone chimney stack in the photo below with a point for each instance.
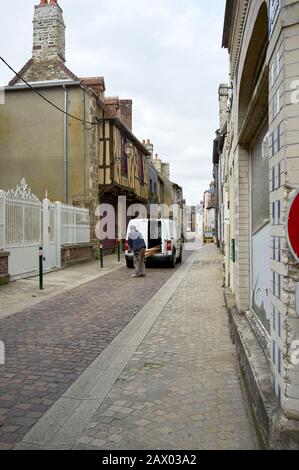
(158, 163)
(166, 170)
(223, 101)
(150, 147)
(48, 32)
(126, 111)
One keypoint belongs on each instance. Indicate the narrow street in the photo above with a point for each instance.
(50, 344)
(127, 374)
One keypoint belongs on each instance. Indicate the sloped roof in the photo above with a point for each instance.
(34, 71)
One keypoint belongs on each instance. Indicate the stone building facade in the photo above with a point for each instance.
(258, 150)
(86, 156)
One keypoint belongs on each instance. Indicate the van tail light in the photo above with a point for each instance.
(169, 245)
(127, 245)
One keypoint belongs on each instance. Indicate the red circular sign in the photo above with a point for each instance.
(293, 227)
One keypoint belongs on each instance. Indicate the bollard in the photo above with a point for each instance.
(118, 250)
(101, 256)
(41, 269)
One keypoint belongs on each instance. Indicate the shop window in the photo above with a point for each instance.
(259, 175)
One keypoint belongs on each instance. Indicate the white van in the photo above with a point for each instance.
(161, 233)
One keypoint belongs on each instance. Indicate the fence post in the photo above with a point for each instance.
(75, 227)
(46, 228)
(2, 220)
(58, 233)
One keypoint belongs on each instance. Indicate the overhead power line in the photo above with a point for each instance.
(44, 98)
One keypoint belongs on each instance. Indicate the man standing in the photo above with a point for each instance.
(138, 246)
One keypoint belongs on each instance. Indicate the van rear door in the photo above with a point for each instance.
(154, 233)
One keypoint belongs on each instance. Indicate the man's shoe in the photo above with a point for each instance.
(135, 275)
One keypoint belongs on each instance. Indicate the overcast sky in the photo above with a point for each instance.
(164, 54)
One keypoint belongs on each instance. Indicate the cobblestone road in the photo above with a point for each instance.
(181, 389)
(50, 344)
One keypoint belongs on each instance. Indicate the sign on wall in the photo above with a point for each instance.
(293, 227)
(275, 6)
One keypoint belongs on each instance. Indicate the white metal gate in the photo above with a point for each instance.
(26, 224)
(23, 229)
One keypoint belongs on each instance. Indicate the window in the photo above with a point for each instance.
(274, 283)
(279, 361)
(140, 167)
(273, 178)
(279, 175)
(278, 212)
(124, 158)
(273, 213)
(279, 324)
(272, 144)
(279, 286)
(278, 138)
(274, 247)
(279, 249)
(274, 352)
(259, 179)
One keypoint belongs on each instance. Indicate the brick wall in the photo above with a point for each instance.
(73, 254)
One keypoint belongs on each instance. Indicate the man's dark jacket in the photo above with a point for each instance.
(136, 243)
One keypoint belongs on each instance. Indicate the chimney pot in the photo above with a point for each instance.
(53, 2)
(43, 2)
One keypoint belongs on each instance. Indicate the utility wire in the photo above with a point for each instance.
(44, 98)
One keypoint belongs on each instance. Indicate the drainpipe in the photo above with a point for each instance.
(65, 147)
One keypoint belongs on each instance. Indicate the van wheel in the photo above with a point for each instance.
(180, 258)
(173, 260)
(130, 264)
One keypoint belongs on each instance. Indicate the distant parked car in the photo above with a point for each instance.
(208, 237)
(160, 233)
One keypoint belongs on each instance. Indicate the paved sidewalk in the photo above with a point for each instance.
(24, 293)
(169, 381)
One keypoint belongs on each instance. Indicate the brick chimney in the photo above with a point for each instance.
(158, 163)
(166, 170)
(112, 106)
(48, 32)
(126, 110)
(150, 147)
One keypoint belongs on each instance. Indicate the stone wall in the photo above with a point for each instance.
(48, 33)
(275, 54)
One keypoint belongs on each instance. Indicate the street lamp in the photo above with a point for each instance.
(128, 149)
